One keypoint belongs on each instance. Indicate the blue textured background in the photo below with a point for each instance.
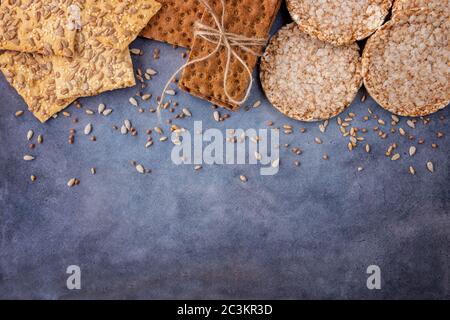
(308, 232)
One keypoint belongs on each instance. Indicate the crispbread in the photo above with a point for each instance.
(96, 68)
(308, 79)
(32, 75)
(116, 23)
(406, 66)
(403, 5)
(205, 79)
(45, 27)
(339, 21)
(174, 23)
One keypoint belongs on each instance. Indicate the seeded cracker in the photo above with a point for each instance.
(32, 75)
(308, 79)
(174, 23)
(117, 23)
(47, 27)
(403, 5)
(339, 21)
(205, 79)
(406, 63)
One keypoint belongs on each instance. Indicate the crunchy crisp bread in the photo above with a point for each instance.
(46, 27)
(406, 63)
(117, 23)
(308, 79)
(403, 5)
(96, 68)
(174, 23)
(339, 21)
(32, 75)
(205, 79)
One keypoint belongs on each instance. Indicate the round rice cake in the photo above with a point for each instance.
(404, 5)
(406, 64)
(308, 79)
(339, 21)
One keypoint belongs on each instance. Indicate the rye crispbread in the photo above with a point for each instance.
(205, 79)
(174, 23)
(308, 79)
(339, 22)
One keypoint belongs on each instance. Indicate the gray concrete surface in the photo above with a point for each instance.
(305, 233)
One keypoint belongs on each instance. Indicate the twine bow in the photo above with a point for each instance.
(221, 37)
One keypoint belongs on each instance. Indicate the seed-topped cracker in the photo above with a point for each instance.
(174, 23)
(406, 63)
(116, 23)
(339, 21)
(47, 27)
(94, 69)
(308, 79)
(32, 75)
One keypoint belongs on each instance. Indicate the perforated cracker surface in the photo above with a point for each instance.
(39, 26)
(339, 21)
(205, 79)
(174, 23)
(308, 79)
(406, 64)
(32, 75)
(117, 23)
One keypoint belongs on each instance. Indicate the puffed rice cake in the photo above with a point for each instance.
(406, 65)
(308, 79)
(403, 5)
(339, 22)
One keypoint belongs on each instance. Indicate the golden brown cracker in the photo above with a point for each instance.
(47, 27)
(116, 23)
(205, 79)
(94, 69)
(403, 5)
(32, 75)
(174, 23)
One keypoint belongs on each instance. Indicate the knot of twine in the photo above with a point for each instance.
(229, 41)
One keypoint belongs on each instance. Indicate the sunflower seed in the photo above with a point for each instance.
(18, 113)
(367, 148)
(140, 168)
(71, 182)
(30, 134)
(148, 144)
(40, 139)
(93, 171)
(88, 129)
(151, 71)
(123, 129)
(276, 163)
(107, 112)
(412, 151)
(430, 166)
(411, 124)
(318, 140)
(89, 112)
(136, 51)
(243, 178)
(146, 97)
(216, 116)
(127, 124)
(33, 178)
(162, 139)
(187, 112)
(27, 157)
(101, 108)
(197, 167)
(158, 130)
(395, 157)
(170, 92)
(412, 170)
(257, 104)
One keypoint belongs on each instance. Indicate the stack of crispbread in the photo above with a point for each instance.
(60, 50)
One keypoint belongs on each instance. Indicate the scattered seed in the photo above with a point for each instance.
(148, 144)
(257, 104)
(140, 168)
(170, 92)
(27, 157)
(186, 112)
(33, 178)
(101, 108)
(197, 167)
(325, 157)
(430, 166)
(158, 130)
(72, 182)
(276, 163)
(439, 134)
(18, 113)
(243, 178)
(136, 51)
(133, 101)
(151, 71)
(123, 130)
(412, 170)
(88, 129)
(216, 116)
(257, 156)
(395, 118)
(411, 124)
(30, 134)
(395, 157)
(89, 112)
(318, 140)
(163, 138)
(360, 168)
(367, 148)
(127, 124)
(146, 97)
(412, 151)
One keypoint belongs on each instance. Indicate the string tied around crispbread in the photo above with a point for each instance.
(219, 36)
